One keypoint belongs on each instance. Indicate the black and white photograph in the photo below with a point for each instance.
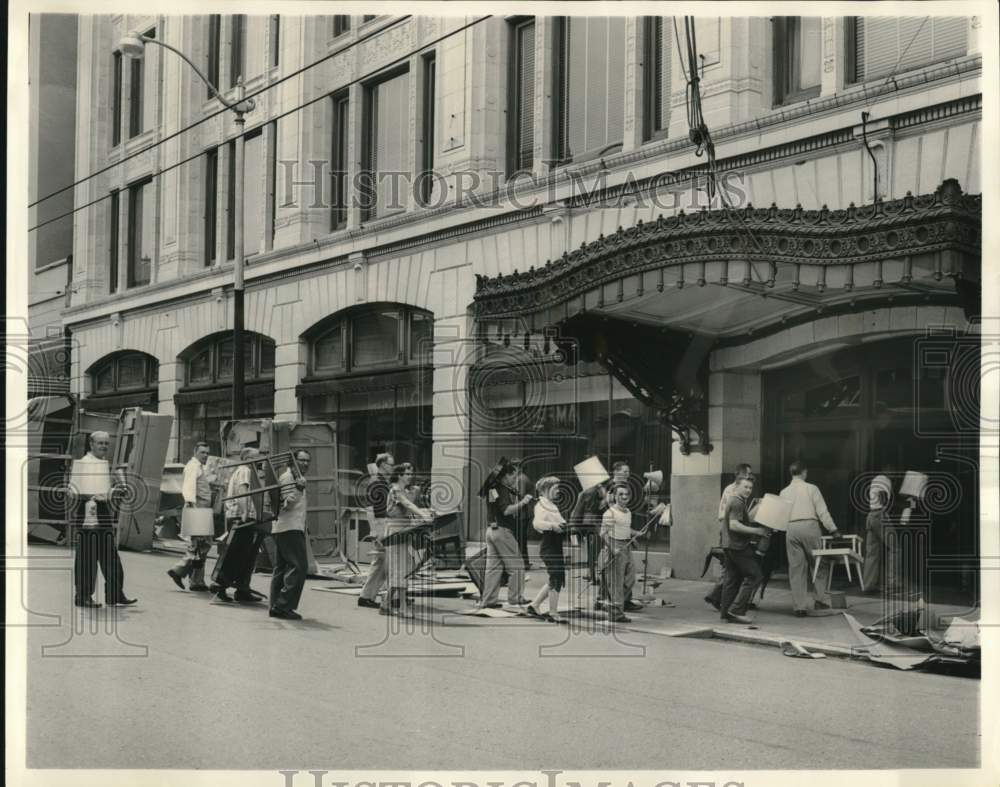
(529, 394)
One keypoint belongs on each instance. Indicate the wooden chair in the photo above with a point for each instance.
(852, 552)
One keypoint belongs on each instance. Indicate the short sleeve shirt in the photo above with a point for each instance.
(736, 511)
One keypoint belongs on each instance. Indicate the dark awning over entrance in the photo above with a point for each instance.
(694, 281)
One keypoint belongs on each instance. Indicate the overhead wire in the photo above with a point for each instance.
(298, 108)
(223, 110)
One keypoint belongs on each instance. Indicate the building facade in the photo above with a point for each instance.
(52, 129)
(404, 177)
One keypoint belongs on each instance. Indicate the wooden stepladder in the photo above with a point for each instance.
(265, 491)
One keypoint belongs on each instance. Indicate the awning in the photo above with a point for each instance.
(146, 398)
(698, 280)
(222, 393)
(366, 382)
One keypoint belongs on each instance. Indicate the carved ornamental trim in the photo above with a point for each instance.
(948, 219)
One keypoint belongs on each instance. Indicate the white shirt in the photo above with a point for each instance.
(617, 523)
(879, 493)
(807, 503)
(727, 493)
(195, 487)
(241, 507)
(547, 516)
(90, 476)
(293, 506)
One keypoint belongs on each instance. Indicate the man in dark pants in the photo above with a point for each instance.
(289, 533)
(526, 514)
(235, 567)
(743, 572)
(94, 516)
(742, 471)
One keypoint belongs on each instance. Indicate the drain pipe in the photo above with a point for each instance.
(864, 138)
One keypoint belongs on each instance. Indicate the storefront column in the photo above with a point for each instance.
(453, 354)
(289, 369)
(697, 480)
(169, 381)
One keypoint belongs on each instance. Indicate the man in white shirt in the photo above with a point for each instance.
(197, 491)
(879, 502)
(94, 489)
(808, 520)
(289, 533)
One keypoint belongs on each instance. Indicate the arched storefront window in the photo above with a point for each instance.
(124, 379)
(204, 401)
(369, 370)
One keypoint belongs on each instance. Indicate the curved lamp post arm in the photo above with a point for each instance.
(240, 107)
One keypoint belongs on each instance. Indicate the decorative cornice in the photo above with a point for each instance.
(945, 220)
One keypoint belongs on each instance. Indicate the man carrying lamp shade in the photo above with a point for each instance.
(92, 485)
(197, 491)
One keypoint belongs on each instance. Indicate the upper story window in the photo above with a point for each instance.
(211, 362)
(339, 170)
(427, 106)
(113, 208)
(386, 145)
(142, 92)
(798, 52)
(211, 203)
(521, 112)
(116, 98)
(214, 51)
(341, 24)
(373, 337)
(258, 193)
(879, 45)
(656, 63)
(248, 46)
(141, 232)
(274, 34)
(590, 86)
(128, 371)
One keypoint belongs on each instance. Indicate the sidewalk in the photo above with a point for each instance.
(822, 631)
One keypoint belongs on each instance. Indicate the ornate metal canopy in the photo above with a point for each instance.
(722, 275)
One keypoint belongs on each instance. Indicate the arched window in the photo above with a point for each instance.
(125, 379)
(369, 369)
(204, 402)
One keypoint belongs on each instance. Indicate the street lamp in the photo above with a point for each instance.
(133, 45)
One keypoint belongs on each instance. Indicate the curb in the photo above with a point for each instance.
(747, 637)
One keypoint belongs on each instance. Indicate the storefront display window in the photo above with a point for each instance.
(125, 379)
(205, 402)
(370, 373)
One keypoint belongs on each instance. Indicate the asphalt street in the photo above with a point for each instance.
(181, 682)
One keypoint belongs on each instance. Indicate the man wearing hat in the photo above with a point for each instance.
(502, 551)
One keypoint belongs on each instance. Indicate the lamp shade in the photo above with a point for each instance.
(591, 472)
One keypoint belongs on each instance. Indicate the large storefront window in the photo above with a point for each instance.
(369, 371)
(850, 413)
(126, 379)
(553, 417)
(205, 401)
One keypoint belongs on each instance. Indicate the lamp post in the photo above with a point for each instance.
(133, 45)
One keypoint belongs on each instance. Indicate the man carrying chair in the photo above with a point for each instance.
(235, 567)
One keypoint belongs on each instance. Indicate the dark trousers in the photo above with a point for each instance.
(290, 568)
(522, 541)
(236, 563)
(743, 575)
(97, 546)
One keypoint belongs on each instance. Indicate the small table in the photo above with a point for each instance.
(847, 554)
